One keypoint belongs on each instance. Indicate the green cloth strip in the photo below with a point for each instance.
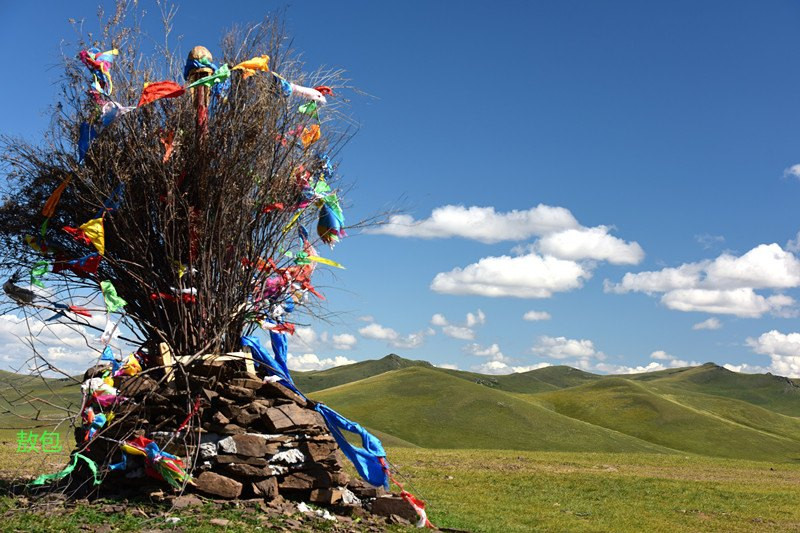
(44, 478)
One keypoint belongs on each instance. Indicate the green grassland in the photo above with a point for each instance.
(520, 491)
(554, 449)
(479, 490)
(435, 410)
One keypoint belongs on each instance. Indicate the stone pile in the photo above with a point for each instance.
(255, 439)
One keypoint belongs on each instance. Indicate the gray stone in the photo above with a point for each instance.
(326, 496)
(267, 488)
(271, 389)
(250, 445)
(186, 500)
(243, 470)
(247, 383)
(291, 416)
(302, 481)
(238, 393)
(217, 485)
(241, 459)
(227, 445)
(394, 505)
(208, 450)
(138, 385)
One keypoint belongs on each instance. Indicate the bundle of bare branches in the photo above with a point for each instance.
(203, 198)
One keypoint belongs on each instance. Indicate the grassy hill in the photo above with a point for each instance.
(339, 375)
(540, 380)
(702, 424)
(704, 410)
(766, 390)
(432, 409)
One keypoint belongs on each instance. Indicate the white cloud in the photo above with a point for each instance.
(711, 323)
(477, 319)
(500, 368)
(590, 243)
(459, 332)
(366, 318)
(480, 223)
(793, 245)
(650, 367)
(310, 361)
(533, 316)
(492, 352)
(563, 348)
(792, 171)
(439, 320)
(344, 341)
(783, 349)
(765, 266)
(744, 368)
(306, 339)
(725, 285)
(378, 332)
(682, 277)
(526, 276)
(69, 348)
(742, 302)
(708, 241)
(465, 331)
(448, 366)
(392, 337)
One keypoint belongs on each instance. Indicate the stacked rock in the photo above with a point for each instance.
(247, 436)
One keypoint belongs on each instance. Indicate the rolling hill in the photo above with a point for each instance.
(433, 409)
(705, 410)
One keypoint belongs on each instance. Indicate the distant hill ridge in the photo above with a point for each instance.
(705, 409)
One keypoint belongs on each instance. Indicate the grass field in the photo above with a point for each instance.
(550, 491)
(555, 449)
(508, 491)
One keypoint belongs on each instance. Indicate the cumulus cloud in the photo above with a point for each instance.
(590, 243)
(526, 276)
(744, 368)
(742, 302)
(392, 337)
(305, 338)
(564, 348)
(664, 361)
(792, 171)
(480, 223)
(463, 331)
(496, 362)
(708, 241)
(711, 323)
(725, 285)
(448, 366)
(533, 316)
(476, 319)
(310, 361)
(344, 341)
(491, 352)
(500, 368)
(438, 320)
(782, 348)
(459, 332)
(69, 348)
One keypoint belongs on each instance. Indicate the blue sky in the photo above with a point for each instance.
(629, 138)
